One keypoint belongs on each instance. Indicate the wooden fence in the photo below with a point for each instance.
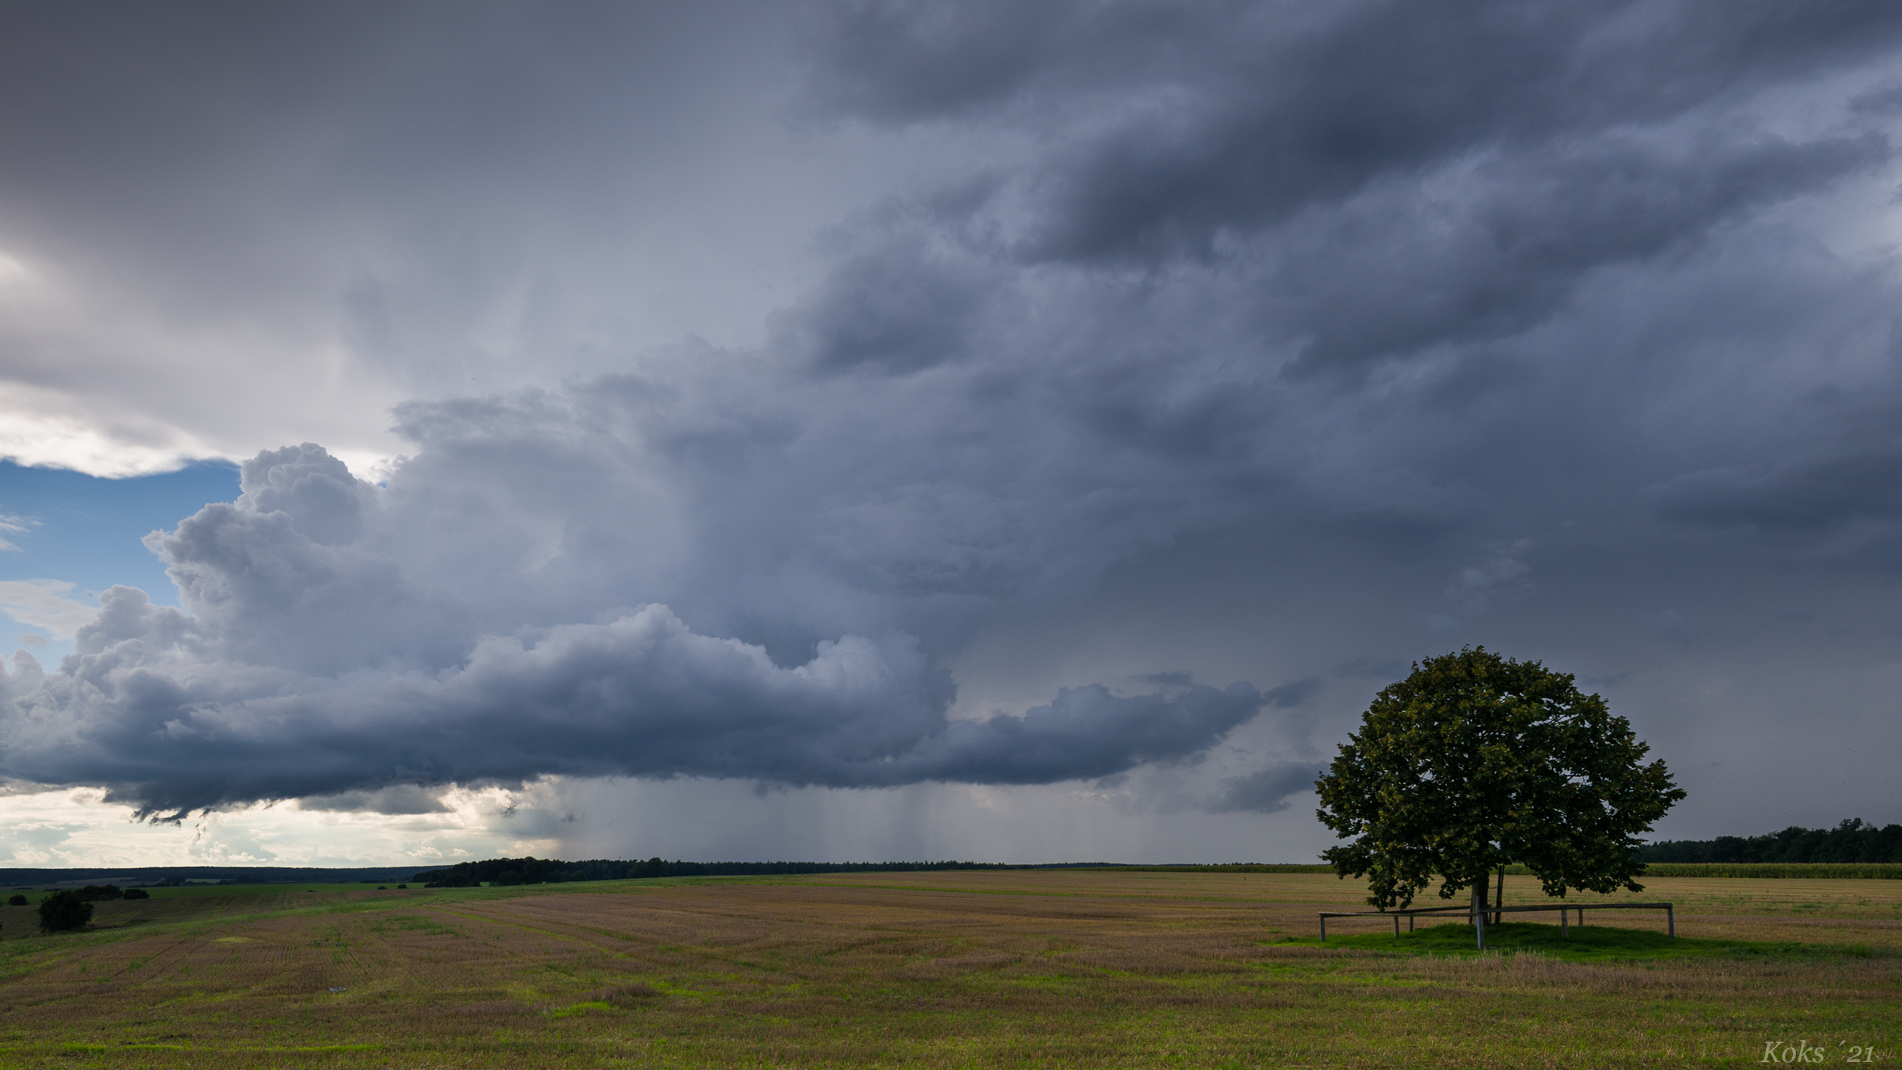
(1478, 917)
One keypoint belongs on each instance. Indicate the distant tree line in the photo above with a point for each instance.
(93, 893)
(507, 871)
(69, 909)
(174, 876)
(1850, 841)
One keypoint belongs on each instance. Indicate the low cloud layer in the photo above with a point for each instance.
(314, 665)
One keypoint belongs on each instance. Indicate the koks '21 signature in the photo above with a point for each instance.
(1777, 1051)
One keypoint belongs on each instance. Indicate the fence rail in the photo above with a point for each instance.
(1478, 917)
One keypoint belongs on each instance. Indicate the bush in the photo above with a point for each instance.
(137, 893)
(63, 912)
(17, 901)
(92, 893)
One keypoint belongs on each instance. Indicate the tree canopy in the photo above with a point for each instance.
(1474, 762)
(64, 911)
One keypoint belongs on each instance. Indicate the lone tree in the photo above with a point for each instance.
(1474, 762)
(63, 912)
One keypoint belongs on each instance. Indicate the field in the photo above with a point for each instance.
(1005, 969)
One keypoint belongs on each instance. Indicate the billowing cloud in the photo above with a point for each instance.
(314, 665)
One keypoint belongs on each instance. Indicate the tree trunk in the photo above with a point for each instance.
(1500, 899)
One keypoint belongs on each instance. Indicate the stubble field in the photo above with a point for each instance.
(1007, 969)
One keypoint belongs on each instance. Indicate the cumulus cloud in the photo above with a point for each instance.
(312, 665)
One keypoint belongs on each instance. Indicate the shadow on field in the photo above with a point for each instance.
(1585, 943)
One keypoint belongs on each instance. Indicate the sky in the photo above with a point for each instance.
(1023, 432)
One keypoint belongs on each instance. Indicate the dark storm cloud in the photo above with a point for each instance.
(402, 799)
(1290, 695)
(1334, 334)
(1530, 229)
(1087, 732)
(1233, 117)
(430, 194)
(1268, 790)
(1811, 497)
(895, 308)
(266, 692)
(1378, 180)
(1564, 254)
(125, 99)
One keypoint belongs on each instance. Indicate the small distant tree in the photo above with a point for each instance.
(64, 911)
(137, 893)
(1474, 762)
(17, 900)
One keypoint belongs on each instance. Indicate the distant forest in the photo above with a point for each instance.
(1851, 841)
(506, 871)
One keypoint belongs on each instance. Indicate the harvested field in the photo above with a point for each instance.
(1018, 968)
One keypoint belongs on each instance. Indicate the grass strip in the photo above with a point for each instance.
(1583, 943)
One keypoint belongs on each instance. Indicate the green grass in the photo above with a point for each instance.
(1009, 971)
(1584, 943)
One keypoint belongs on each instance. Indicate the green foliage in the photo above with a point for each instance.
(64, 911)
(1049, 969)
(17, 901)
(1474, 762)
(93, 893)
(137, 893)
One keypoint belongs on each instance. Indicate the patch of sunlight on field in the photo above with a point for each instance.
(1012, 968)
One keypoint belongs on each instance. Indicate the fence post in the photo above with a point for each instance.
(1324, 928)
(1565, 923)
(1480, 923)
(1396, 926)
(1670, 920)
